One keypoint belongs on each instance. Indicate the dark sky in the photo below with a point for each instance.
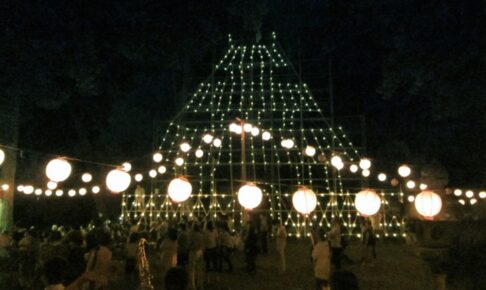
(95, 78)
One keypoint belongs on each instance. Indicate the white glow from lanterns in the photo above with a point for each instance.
(364, 164)
(428, 203)
(5, 187)
(310, 151)
(82, 191)
(162, 169)
(304, 200)
(469, 194)
(72, 192)
(58, 169)
(28, 189)
(353, 168)
(217, 142)
(423, 186)
(404, 170)
(118, 180)
(457, 192)
(411, 198)
(48, 192)
(233, 127)
(38, 191)
(411, 184)
(473, 201)
(382, 177)
(95, 189)
(199, 153)
(365, 172)
(157, 157)
(367, 202)
(185, 147)
(138, 177)
(127, 166)
(59, 192)
(179, 189)
(266, 136)
(247, 127)
(462, 201)
(255, 131)
(2, 156)
(179, 161)
(153, 173)
(287, 143)
(86, 177)
(482, 194)
(250, 196)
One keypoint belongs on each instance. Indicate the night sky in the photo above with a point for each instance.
(96, 79)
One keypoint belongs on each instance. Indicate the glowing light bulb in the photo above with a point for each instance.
(71, 192)
(247, 127)
(48, 192)
(157, 157)
(185, 147)
(469, 194)
(95, 189)
(199, 153)
(423, 186)
(365, 172)
(404, 171)
(179, 161)
(127, 166)
(310, 151)
(82, 191)
(38, 191)
(52, 185)
(473, 201)
(217, 142)
(138, 177)
(411, 184)
(162, 169)
(266, 136)
(457, 192)
(255, 131)
(353, 168)
(153, 173)
(364, 164)
(382, 177)
(411, 198)
(59, 192)
(86, 177)
(482, 194)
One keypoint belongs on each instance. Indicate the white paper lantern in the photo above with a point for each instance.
(5, 187)
(28, 189)
(208, 138)
(255, 131)
(95, 189)
(199, 153)
(367, 202)
(247, 127)
(127, 166)
(58, 169)
(179, 189)
(250, 196)
(404, 171)
(153, 173)
(20, 188)
(428, 203)
(86, 177)
(310, 151)
(266, 136)
(138, 177)
(469, 193)
(2, 156)
(482, 194)
(179, 161)
(82, 191)
(118, 180)
(473, 201)
(457, 192)
(185, 147)
(59, 192)
(411, 198)
(217, 142)
(157, 157)
(48, 192)
(38, 191)
(364, 164)
(52, 185)
(304, 200)
(72, 192)
(233, 127)
(353, 168)
(336, 161)
(382, 177)
(365, 172)
(162, 169)
(287, 143)
(423, 186)
(411, 184)
(462, 201)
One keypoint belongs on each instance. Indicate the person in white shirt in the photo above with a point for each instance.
(321, 257)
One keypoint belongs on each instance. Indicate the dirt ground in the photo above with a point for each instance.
(396, 268)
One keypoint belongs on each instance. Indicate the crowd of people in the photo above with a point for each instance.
(188, 253)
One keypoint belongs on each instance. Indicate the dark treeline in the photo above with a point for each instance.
(94, 78)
